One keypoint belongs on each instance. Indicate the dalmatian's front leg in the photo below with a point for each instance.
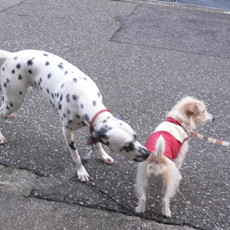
(2, 139)
(82, 173)
(105, 157)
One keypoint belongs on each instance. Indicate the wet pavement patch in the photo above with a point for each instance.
(178, 29)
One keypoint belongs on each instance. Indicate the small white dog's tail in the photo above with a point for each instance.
(160, 146)
(5, 54)
(157, 167)
(151, 166)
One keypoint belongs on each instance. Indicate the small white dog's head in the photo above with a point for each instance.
(121, 138)
(192, 112)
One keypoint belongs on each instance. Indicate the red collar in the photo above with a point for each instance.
(174, 121)
(95, 116)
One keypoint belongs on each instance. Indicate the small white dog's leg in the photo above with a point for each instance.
(142, 203)
(171, 181)
(165, 207)
(82, 173)
(141, 186)
(181, 155)
(105, 157)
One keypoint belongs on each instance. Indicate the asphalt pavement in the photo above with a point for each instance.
(144, 57)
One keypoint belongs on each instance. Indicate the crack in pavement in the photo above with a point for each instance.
(10, 7)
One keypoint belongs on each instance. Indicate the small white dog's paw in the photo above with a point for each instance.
(140, 209)
(2, 139)
(166, 212)
(82, 174)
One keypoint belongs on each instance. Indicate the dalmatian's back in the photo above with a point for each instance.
(54, 76)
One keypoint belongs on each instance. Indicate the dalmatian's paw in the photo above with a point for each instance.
(108, 160)
(82, 174)
(2, 139)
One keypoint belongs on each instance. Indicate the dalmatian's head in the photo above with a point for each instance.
(120, 138)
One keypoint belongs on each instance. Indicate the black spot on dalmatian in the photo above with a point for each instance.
(85, 78)
(82, 106)
(49, 76)
(30, 62)
(20, 92)
(68, 97)
(47, 63)
(52, 95)
(60, 106)
(13, 71)
(52, 104)
(11, 105)
(47, 90)
(3, 69)
(72, 145)
(68, 111)
(99, 95)
(94, 103)
(104, 121)
(78, 116)
(7, 107)
(74, 97)
(75, 79)
(61, 97)
(70, 121)
(66, 72)
(129, 146)
(15, 58)
(5, 85)
(7, 80)
(64, 115)
(60, 66)
(86, 118)
(45, 55)
(19, 77)
(30, 71)
(18, 66)
(62, 85)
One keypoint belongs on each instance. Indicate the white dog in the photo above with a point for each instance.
(76, 98)
(168, 145)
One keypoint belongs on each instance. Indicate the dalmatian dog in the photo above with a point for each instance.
(76, 98)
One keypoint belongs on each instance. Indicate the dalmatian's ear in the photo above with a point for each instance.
(119, 117)
(97, 135)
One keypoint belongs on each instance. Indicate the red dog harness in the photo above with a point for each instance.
(173, 134)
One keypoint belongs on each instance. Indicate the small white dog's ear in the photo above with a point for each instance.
(193, 108)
